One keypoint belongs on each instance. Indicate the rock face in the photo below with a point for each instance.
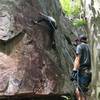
(92, 13)
(27, 63)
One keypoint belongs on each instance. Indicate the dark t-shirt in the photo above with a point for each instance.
(85, 57)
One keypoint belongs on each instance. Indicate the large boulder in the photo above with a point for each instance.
(27, 63)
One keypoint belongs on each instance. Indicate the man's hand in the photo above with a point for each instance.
(34, 22)
(40, 13)
(74, 75)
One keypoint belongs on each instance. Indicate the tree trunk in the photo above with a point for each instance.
(92, 14)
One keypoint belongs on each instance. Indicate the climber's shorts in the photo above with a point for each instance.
(84, 80)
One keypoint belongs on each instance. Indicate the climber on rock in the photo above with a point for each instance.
(52, 26)
(81, 75)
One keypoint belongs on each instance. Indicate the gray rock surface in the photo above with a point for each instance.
(37, 68)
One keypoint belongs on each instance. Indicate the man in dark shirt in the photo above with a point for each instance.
(49, 20)
(81, 72)
(52, 26)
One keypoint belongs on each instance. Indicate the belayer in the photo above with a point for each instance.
(81, 75)
(52, 26)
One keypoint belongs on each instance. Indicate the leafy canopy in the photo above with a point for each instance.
(71, 7)
(79, 22)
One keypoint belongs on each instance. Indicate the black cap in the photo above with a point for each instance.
(83, 38)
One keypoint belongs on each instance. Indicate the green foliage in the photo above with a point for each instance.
(66, 6)
(71, 7)
(79, 22)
